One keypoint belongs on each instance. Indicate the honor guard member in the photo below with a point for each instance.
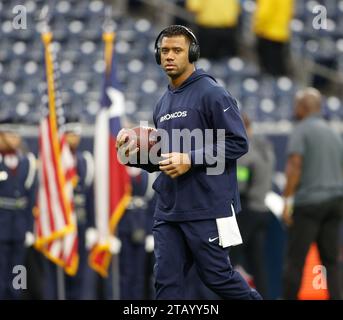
(78, 287)
(17, 197)
(133, 235)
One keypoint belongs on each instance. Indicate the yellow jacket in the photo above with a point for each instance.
(272, 19)
(215, 13)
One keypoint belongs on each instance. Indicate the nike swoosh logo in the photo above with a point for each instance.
(212, 239)
(227, 109)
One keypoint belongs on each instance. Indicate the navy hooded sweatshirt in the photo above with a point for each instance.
(199, 103)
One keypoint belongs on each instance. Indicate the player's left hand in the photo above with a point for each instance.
(175, 164)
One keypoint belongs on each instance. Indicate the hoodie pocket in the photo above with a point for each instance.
(186, 193)
(194, 193)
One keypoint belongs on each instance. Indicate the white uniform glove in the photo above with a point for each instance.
(91, 238)
(149, 243)
(115, 245)
(29, 239)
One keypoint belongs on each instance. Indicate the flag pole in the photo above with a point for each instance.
(108, 27)
(115, 277)
(45, 29)
(60, 283)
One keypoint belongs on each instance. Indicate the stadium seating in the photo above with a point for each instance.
(77, 30)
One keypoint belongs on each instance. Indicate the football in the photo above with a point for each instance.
(145, 137)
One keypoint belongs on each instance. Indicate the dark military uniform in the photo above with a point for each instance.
(132, 233)
(17, 196)
(79, 286)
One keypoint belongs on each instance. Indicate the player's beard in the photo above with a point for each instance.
(173, 73)
(176, 72)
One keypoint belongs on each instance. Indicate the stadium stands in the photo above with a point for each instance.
(77, 30)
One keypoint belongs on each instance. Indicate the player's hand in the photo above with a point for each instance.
(125, 149)
(287, 215)
(122, 136)
(175, 164)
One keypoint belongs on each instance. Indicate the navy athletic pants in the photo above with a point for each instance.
(180, 244)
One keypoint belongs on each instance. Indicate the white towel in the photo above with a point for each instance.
(228, 231)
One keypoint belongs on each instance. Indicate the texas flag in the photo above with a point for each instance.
(112, 182)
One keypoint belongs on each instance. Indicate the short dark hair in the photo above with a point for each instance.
(175, 30)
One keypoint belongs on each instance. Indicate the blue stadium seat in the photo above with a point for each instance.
(218, 70)
(234, 67)
(300, 9)
(333, 108)
(249, 87)
(297, 27)
(19, 49)
(80, 10)
(284, 107)
(77, 30)
(267, 110)
(135, 66)
(5, 51)
(96, 8)
(204, 64)
(2, 13)
(249, 105)
(144, 31)
(284, 86)
(267, 87)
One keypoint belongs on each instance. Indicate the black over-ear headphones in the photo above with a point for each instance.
(194, 48)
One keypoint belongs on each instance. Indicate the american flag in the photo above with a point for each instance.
(55, 219)
(112, 182)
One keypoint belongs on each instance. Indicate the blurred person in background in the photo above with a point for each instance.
(17, 196)
(149, 290)
(78, 287)
(132, 233)
(255, 174)
(217, 22)
(135, 233)
(314, 189)
(271, 25)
